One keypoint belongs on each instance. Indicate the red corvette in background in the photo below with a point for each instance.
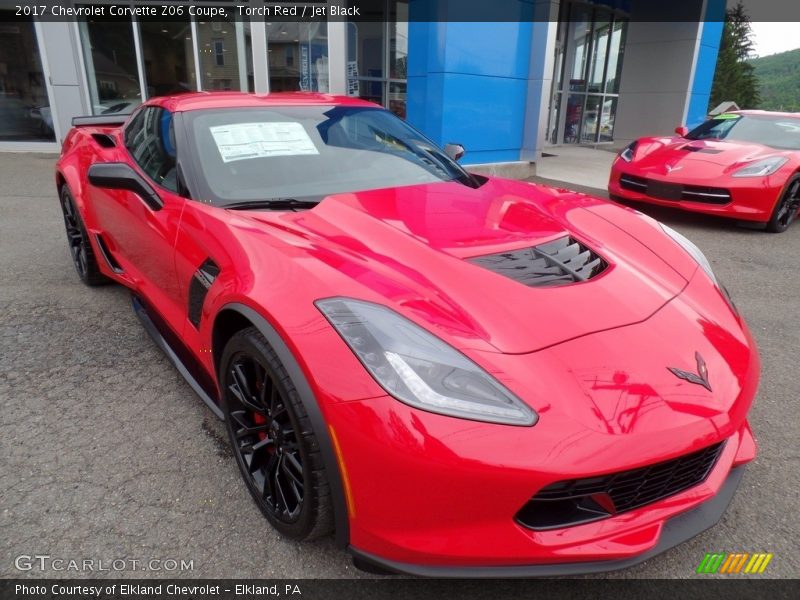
(460, 375)
(744, 165)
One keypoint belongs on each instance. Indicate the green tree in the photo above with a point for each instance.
(735, 78)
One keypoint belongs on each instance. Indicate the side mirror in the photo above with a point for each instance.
(681, 130)
(454, 151)
(120, 176)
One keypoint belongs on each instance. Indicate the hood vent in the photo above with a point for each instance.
(560, 262)
(701, 149)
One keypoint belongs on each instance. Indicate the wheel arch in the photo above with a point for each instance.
(234, 317)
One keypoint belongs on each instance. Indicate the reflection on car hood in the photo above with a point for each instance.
(410, 248)
(703, 159)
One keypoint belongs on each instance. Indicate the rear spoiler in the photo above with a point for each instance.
(103, 120)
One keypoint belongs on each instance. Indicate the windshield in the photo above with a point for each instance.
(309, 152)
(769, 130)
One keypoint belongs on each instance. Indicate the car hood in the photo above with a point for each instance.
(680, 158)
(410, 248)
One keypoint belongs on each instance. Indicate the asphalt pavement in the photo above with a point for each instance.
(106, 454)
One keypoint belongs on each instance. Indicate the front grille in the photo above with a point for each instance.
(577, 501)
(560, 262)
(664, 190)
(633, 183)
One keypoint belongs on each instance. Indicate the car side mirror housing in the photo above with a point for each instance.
(120, 176)
(681, 130)
(454, 151)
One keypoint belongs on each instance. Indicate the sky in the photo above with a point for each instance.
(771, 38)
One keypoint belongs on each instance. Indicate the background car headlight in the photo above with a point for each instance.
(627, 152)
(761, 168)
(692, 249)
(418, 368)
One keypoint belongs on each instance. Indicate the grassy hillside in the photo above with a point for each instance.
(779, 79)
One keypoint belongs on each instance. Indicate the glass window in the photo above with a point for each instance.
(398, 40)
(774, 131)
(168, 55)
(150, 138)
(219, 53)
(24, 104)
(298, 57)
(599, 53)
(110, 59)
(225, 54)
(377, 56)
(607, 117)
(615, 54)
(309, 152)
(590, 46)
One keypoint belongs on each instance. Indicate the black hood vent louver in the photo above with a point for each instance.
(560, 262)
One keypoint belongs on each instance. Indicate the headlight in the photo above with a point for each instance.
(627, 153)
(692, 249)
(761, 168)
(418, 368)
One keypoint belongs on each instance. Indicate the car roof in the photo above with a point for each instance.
(211, 100)
(767, 113)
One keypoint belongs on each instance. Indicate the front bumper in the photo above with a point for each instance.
(431, 503)
(753, 202)
(673, 532)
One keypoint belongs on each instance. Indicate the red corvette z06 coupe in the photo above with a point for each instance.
(744, 164)
(459, 375)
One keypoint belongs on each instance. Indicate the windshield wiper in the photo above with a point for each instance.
(271, 204)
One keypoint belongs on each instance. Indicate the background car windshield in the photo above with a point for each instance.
(774, 131)
(309, 152)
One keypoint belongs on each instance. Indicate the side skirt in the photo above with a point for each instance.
(189, 372)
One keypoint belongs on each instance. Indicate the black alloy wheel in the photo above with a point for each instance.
(80, 247)
(273, 440)
(787, 207)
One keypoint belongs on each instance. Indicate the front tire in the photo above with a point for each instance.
(786, 208)
(80, 247)
(273, 440)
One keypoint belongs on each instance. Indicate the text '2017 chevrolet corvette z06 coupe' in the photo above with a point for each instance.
(458, 374)
(744, 165)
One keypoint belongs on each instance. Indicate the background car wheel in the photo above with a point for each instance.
(79, 246)
(272, 439)
(786, 209)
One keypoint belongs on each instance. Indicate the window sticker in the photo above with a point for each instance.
(241, 141)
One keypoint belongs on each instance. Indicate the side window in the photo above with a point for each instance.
(150, 138)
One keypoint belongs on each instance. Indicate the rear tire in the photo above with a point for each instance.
(80, 247)
(786, 208)
(272, 439)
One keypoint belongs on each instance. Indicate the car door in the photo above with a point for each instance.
(140, 234)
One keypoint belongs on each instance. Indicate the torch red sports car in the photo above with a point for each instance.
(744, 165)
(460, 375)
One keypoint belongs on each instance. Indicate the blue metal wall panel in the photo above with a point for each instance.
(706, 62)
(469, 85)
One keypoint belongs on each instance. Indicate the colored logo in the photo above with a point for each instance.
(734, 563)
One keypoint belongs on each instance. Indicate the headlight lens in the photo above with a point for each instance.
(762, 168)
(692, 249)
(627, 153)
(418, 368)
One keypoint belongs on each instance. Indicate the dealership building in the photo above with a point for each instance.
(565, 72)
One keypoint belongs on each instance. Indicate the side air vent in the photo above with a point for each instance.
(198, 289)
(106, 141)
(560, 262)
(107, 255)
